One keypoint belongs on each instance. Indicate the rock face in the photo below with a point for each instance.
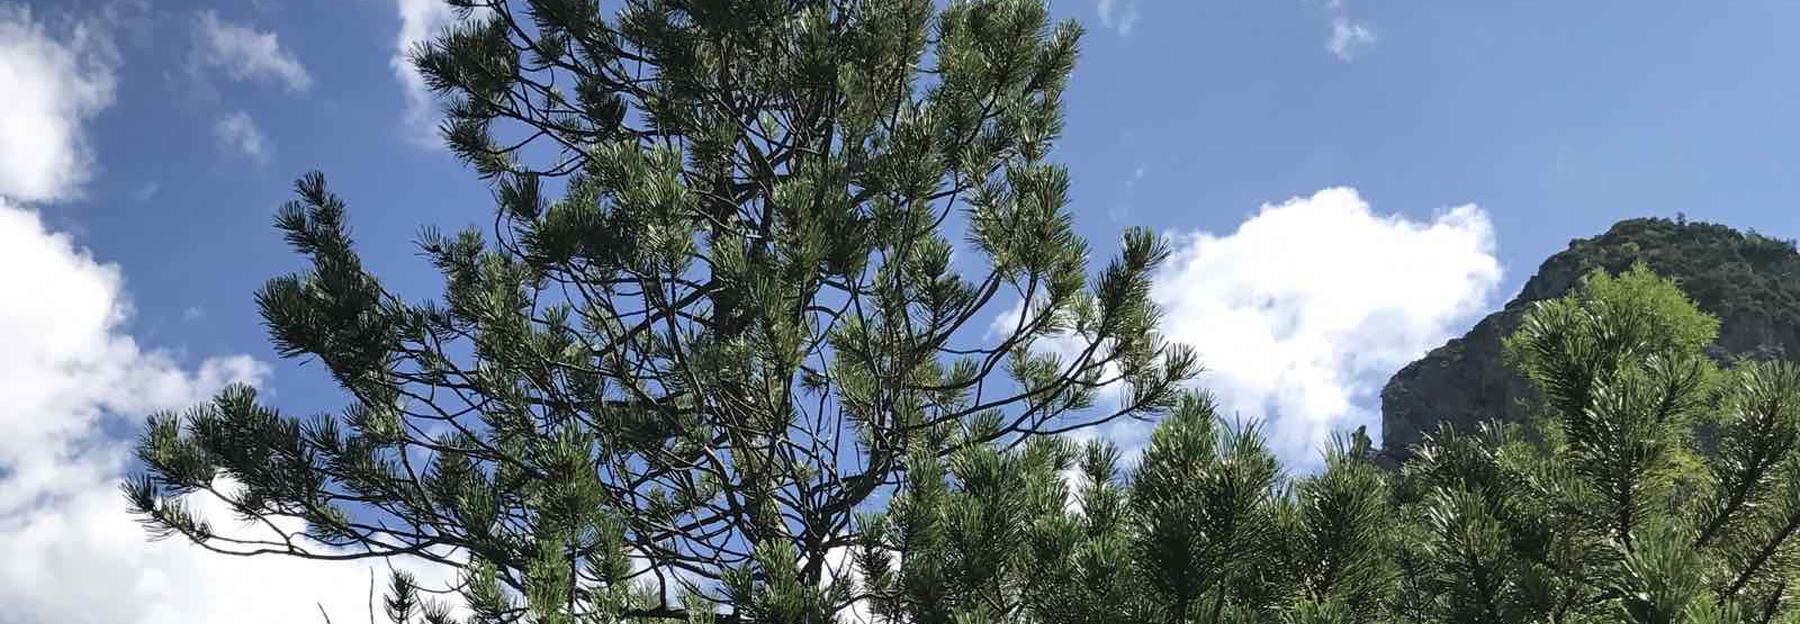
(1751, 282)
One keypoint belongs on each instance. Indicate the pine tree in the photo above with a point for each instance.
(717, 361)
(717, 320)
(1205, 528)
(1653, 487)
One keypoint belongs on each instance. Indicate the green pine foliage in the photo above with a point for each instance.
(1205, 528)
(716, 361)
(717, 317)
(1655, 487)
(1613, 505)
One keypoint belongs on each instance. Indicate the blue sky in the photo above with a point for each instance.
(1556, 118)
(1321, 162)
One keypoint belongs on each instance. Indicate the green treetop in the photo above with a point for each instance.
(1653, 488)
(1205, 528)
(716, 317)
(715, 361)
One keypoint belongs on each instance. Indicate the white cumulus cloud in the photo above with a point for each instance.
(237, 132)
(71, 378)
(54, 83)
(245, 53)
(1302, 313)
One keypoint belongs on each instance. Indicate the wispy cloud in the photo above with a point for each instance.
(55, 82)
(237, 132)
(146, 191)
(420, 20)
(1121, 205)
(245, 53)
(1119, 15)
(1349, 36)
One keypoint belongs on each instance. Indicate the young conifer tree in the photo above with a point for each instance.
(717, 316)
(1205, 528)
(1654, 488)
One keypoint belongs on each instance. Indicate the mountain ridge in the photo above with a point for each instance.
(1750, 281)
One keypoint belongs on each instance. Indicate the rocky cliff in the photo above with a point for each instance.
(1751, 282)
